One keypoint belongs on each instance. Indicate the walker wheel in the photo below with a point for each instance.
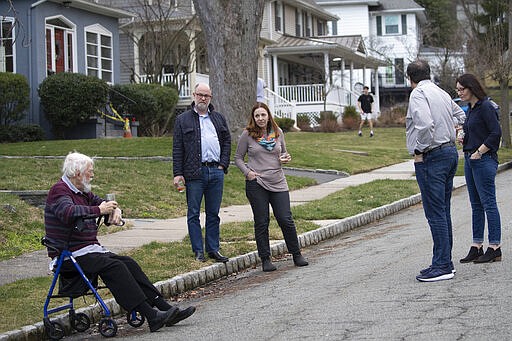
(108, 327)
(54, 330)
(135, 319)
(80, 322)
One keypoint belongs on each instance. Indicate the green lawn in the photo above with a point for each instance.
(144, 189)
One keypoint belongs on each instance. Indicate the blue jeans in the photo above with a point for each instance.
(210, 186)
(260, 199)
(480, 180)
(435, 180)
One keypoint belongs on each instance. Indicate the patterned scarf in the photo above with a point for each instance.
(269, 142)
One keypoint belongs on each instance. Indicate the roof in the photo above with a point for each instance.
(351, 48)
(312, 7)
(348, 2)
(401, 6)
(163, 10)
(90, 7)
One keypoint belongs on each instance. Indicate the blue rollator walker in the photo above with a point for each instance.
(72, 285)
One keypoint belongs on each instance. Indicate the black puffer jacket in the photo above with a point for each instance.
(186, 150)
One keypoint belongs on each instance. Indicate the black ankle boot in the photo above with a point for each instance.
(299, 260)
(266, 264)
(474, 253)
(490, 255)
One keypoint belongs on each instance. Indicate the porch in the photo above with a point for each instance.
(288, 101)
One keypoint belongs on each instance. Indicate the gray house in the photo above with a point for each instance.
(38, 38)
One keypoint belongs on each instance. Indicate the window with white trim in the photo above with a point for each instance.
(7, 45)
(278, 16)
(391, 25)
(98, 51)
(309, 25)
(299, 23)
(60, 45)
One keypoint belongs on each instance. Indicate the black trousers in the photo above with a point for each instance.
(260, 198)
(121, 274)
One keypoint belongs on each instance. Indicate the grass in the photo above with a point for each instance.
(22, 300)
(144, 188)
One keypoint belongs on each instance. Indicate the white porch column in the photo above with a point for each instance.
(327, 72)
(342, 76)
(268, 66)
(377, 90)
(364, 76)
(275, 83)
(351, 76)
(192, 77)
(136, 56)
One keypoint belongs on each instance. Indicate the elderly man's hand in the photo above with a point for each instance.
(115, 217)
(106, 207)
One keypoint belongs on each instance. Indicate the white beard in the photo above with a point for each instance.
(86, 185)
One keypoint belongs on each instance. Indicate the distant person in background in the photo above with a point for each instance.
(430, 136)
(263, 143)
(365, 105)
(260, 91)
(481, 141)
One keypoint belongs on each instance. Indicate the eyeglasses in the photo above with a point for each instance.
(460, 89)
(203, 95)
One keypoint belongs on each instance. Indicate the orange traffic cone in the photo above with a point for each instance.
(127, 131)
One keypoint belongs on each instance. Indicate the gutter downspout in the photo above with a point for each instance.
(30, 76)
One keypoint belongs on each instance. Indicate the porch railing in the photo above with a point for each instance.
(308, 93)
(280, 106)
(181, 80)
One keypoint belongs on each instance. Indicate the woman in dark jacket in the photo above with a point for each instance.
(481, 141)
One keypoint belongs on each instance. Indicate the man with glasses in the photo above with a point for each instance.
(200, 154)
(430, 135)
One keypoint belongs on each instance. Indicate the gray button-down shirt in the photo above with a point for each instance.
(431, 117)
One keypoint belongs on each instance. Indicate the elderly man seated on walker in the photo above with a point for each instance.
(71, 219)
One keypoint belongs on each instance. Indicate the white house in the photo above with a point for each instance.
(391, 29)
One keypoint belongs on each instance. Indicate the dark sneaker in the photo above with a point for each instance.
(435, 275)
(360, 133)
(424, 271)
(371, 133)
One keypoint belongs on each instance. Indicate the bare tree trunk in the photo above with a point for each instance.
(232, 31)
(505, 112)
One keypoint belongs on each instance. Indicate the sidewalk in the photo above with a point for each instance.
(175, 229)
(144, 231)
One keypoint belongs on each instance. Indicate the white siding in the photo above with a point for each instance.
(353, 19)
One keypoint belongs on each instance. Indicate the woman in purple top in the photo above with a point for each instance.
(265, 183)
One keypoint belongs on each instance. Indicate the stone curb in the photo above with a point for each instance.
(193, 279)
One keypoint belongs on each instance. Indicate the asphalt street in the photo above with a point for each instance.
(362, 286)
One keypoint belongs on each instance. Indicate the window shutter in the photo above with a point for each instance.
(334, 28)
(277, 20)
(404, 24)
(379, 25)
